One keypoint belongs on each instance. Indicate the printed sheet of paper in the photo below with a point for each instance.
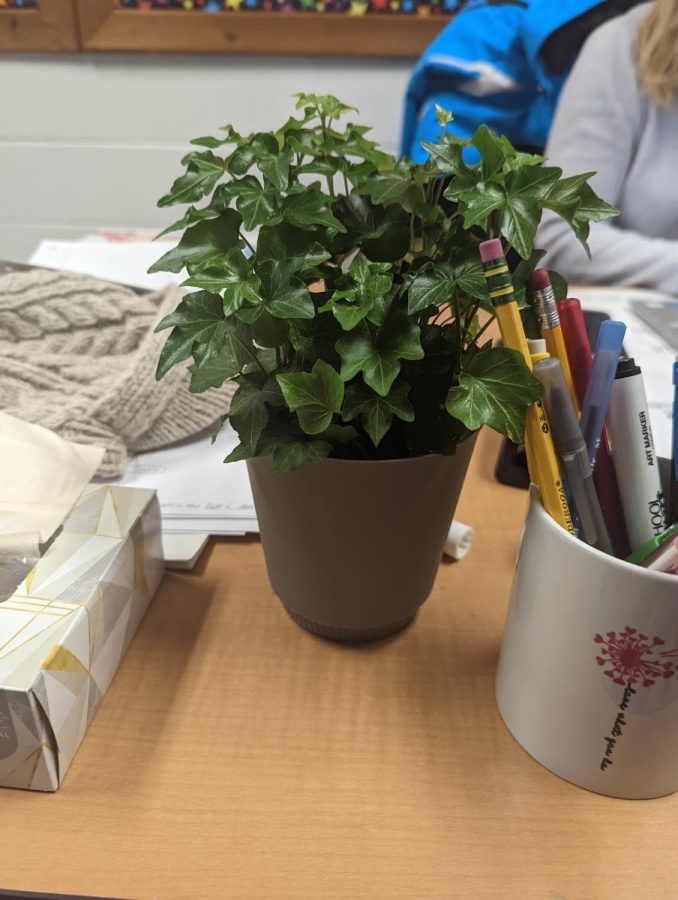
(654, 356)
(194, 484)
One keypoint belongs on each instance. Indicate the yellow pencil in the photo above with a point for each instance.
(541, 456)
(549, 321)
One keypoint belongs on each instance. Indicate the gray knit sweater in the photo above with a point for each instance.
(78, 355)
(605, 124)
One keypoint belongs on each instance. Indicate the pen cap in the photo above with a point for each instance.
(611, 336)
(459, 540)
(536, 346)
(567, 435)
(627, 367)
(608, 349)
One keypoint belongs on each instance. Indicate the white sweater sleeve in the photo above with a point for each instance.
(597, 125)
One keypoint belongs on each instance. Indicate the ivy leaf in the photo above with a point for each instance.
(234, 276)
(480, 200)
(268, 331)
(536, 182)
(285, 294)
(190, 217)
(368, 282)
(575, 201)
(519, 221)
(202, 243)
(323, 103)
(309, 208)
(526, 193)
(447, 155)
(315, 396)
(429, 288)
(491, 150)
(194, 312)
(592, 208)
(315, 338)
(496, 390)
(248, 413)
(379, 357)
(240, 161)
(295, 246)
(469, 277)
(275, 167)
(213, 142)
(202, 173)
(291, 451)
(382, 234)
(217, 361)
(389, 187)
(194, 320)
(376, 413)
(255, 203)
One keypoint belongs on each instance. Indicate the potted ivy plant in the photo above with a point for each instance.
(350, 308)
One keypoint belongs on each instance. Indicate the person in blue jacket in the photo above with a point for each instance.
(502, 63)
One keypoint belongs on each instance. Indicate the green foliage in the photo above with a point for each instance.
(356, 327)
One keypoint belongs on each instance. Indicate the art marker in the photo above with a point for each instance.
(634, 457)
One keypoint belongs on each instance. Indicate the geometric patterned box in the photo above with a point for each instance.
(65, 630)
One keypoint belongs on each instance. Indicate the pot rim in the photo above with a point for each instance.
(370, 462)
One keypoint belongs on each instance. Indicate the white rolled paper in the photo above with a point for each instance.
(459, 540)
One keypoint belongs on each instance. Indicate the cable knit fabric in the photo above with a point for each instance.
(78, 355)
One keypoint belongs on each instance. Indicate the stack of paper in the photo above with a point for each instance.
(197, 492)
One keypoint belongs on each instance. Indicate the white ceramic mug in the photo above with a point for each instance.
(587, 680)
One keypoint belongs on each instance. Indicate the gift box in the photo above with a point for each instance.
(66, 628)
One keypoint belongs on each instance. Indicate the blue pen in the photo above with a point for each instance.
(673, 507)
(599, 387)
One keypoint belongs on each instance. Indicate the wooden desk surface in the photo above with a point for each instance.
(235, 755)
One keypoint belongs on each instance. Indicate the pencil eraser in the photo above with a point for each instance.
(491, 250)
(539, 280)
(459, 540)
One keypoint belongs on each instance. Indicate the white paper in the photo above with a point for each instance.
(181, 551)
(123, 262)
(193, 482)
(654, 356)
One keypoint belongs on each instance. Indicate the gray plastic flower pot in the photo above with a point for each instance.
(352, 548)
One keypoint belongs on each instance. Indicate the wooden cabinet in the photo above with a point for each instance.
(93, 25)
(41, 25)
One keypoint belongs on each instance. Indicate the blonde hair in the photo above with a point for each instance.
(658, 53)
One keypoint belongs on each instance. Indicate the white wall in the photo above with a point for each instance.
(94, 140)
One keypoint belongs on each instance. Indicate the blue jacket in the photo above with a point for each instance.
(494, 63)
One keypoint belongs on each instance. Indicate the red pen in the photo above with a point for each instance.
(581, 361)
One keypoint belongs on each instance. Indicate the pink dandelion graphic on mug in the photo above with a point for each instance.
(630, 657)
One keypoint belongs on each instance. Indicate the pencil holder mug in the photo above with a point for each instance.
(587, 680)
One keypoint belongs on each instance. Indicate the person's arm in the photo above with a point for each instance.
(598, 122)
(475, 69)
